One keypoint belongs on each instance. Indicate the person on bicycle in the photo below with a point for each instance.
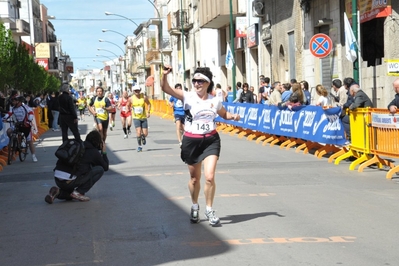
(24, 116)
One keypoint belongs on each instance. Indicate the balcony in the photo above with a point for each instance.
(20, 28)
(178, 22)
(216, 14)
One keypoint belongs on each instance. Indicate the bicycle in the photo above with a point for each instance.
(17, 142)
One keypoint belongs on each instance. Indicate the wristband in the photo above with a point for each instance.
(104, 152)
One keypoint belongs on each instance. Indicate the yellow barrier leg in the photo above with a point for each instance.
(286, 143)
(296, 142)
(376, 160)
(258, 140)
(337, 154)
(345, 155)
(391, 172)
(358, 161)
(234, 131)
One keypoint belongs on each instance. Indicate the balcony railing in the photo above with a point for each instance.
(178, 21)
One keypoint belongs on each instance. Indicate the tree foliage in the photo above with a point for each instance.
(18, 69)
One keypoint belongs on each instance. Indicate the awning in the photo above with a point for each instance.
(149, 81)
(107, 68)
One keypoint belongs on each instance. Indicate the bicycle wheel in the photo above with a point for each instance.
(23, 149)
(11, 145)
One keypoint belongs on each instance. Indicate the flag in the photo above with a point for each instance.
(229, 58)
(350, 41)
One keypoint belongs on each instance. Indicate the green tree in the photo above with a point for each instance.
(7, 69)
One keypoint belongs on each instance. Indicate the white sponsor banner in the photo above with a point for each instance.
(384, 120)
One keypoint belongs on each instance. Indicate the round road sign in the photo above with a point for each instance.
(320, 45)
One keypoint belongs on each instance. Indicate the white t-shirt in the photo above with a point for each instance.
(219, 94)
(322, 101)
(203, 113)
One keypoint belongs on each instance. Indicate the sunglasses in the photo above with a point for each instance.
(199, 81)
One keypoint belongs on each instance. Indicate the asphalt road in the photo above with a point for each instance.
(277, 207)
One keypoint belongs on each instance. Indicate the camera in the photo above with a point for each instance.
(167, 68)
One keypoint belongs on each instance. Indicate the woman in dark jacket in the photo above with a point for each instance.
(246, 96)
(74, 181)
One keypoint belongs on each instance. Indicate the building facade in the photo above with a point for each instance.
(273, 38)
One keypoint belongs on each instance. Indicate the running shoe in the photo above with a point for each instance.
(125, 136)
(34, 158)
(194, 216)
(76, 195)
(139, 149)
(113, 124)
(52, 194)
(143, 139)
(129, 132)
(211, 216)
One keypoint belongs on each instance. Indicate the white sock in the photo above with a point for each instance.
(208, 209)
(195, 206)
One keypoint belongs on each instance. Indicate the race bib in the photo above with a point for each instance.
(123, 108)
(99, 110)
(179, 103)
(138, 110)
(202, 127)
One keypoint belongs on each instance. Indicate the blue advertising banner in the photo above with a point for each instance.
(304, 122)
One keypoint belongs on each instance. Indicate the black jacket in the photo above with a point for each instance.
(361, 100)
(395, 101)
(91, 157)
(247, 97)
(67, 107)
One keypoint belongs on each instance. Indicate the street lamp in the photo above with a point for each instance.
(160, 36)
(142, 35)
(101, 40)
(112, 14)
(105, 30)
(100, 49)
(112, 59)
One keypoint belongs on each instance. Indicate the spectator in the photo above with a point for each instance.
(393, 106)
(344, 116)
(252, 89)
(322, 92)
(275, 96)
(341, 95)
(296, 98)
(264, 90)
(360, 98)
(68, 117)
(219, 93)
(305, 88)
(239, 91)
(230, 96)
(246, 95)
(285, 92)
(55, 110)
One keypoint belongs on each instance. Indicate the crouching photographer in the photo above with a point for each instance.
(73, 182)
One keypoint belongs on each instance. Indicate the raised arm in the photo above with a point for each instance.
(167, 88)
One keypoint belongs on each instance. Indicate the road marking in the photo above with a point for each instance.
(257, 241)
(227, 196)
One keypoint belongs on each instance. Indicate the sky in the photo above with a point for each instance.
(79, 25)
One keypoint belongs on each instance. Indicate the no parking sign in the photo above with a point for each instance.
(320, 45)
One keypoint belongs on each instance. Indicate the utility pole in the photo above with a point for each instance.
(232, 50)
(355, 30)
(182, 42)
